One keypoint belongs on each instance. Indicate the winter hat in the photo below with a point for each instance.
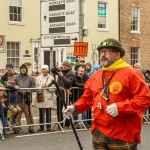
(88, 64)
(66, 63)
(45, 67)
(9, 65)
(113, 44)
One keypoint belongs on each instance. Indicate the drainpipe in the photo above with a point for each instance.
(119, 19)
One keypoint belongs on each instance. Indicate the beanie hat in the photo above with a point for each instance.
(88, 64)
(45, 67)
(66, 63)
(9, 65)
(113, 44)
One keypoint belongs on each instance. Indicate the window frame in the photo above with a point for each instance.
(13, 57)
(17, 21)
(137, 20)
(135, 59)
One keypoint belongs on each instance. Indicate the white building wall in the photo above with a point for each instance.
(28, 32)
(21, 32)
(96, 36)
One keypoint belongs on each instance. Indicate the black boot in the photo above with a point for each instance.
(40, 129)
(49, 129)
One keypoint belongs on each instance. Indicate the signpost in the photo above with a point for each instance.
(59, 22)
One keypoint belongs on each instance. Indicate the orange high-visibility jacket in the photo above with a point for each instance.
(131, 95)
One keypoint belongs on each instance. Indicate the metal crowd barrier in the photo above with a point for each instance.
(146, 118)
(55, 123)
(72, 96)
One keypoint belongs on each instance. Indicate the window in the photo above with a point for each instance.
(15, 10)
(102, 15)
(134, 19)
(134, 55)
(13, 53)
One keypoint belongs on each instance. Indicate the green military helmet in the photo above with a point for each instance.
(113, 44)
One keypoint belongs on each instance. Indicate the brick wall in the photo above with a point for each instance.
(142, 39)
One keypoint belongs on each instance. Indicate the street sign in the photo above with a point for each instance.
(66, 22)
(2, 40)
(59, 39)
(101, 9)
(59, 17)
(2, 43)
(80, 48)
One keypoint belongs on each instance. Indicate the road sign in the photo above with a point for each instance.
(2, 37)
(80, 48)
(2, 44)
(59, 17)
(65, 22)
(59, 39)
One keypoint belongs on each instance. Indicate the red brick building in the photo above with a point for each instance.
(135, 31)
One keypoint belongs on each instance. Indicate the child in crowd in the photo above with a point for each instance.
(13, 108)
(3, 111)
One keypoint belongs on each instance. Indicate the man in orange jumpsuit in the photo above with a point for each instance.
(119, 97)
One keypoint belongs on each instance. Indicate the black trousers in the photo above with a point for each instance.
(42, 112)
(60, 114)
(89, 116)
(59, 110)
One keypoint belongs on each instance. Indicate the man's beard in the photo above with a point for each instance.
(106, 63)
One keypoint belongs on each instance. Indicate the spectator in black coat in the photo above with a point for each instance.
(80, 80)
(65, 80)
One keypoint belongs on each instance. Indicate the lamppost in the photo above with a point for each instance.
(36, 59)
(94, 55)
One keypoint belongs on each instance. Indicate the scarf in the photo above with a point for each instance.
(116, 65)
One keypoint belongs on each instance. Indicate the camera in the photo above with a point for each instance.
(56, 69)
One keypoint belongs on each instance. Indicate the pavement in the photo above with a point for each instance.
(59, 140)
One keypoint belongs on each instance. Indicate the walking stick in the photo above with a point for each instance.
(70, 118)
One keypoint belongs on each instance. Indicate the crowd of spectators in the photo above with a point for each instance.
(14, 101)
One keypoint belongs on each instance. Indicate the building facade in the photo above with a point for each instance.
(20, 32)
(100, 21)
(135, 31)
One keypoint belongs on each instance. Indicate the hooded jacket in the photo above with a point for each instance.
(96, 67)
(24, 81)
